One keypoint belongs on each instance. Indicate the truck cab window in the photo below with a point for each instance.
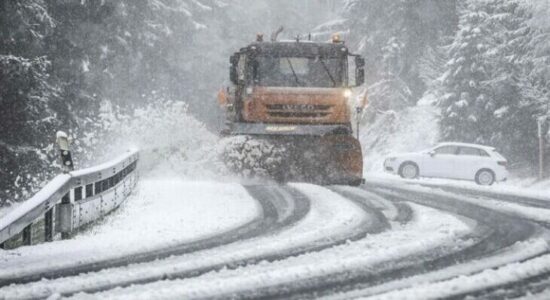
(300, 71)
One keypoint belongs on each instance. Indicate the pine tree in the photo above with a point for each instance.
(27, 98)
(404, 30)
(487, 97)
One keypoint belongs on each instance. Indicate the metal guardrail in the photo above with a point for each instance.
(69, 202)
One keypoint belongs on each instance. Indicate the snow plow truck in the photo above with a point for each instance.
(288, 115)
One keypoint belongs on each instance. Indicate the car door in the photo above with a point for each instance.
(469, 161)
(440, 162)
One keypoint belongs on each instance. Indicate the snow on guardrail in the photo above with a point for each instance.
(69, 202)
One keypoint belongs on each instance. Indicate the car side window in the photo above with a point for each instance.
(472, 151)
(446, 150)
(469, 151)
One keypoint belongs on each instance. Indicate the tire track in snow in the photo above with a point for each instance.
(275, 216)
(283, 279)
(518, 204)
(533, 280)
(497, 231)
(359, 277)
(477, 192)
(506, 231)
(233, 255)
(397, 211)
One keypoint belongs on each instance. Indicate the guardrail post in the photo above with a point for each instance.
(48, 225)
(27, 235)
(65, 151)
(66, 216)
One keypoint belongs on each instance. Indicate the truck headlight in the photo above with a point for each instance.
(347, 93)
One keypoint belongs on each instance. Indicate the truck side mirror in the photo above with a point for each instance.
(233, 76)
(360, 71)
(356, 70)
(360, 77)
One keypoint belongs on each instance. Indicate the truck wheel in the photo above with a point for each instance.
(356, 182)
(408, 170)
(485, 177)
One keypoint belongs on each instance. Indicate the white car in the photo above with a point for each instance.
(481, 164)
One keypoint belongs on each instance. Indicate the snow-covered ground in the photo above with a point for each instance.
(428, 230)
(330, 218)
(520, 261)
(161, 213)
(489, 277)
(538, 191)
(518, 209)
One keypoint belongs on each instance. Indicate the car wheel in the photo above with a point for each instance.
(408, 170)
(485, 177)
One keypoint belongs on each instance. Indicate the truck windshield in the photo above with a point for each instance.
(299, 71)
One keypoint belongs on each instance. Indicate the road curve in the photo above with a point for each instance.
(494, 232)
(278, 196)
(276, 214)
(288, 277)
(273, 241)
(508, 229)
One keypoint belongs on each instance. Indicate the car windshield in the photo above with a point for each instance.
(299, 71)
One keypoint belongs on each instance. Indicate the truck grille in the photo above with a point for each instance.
(298, 110)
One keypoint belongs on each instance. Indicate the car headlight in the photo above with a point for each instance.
(391, 159)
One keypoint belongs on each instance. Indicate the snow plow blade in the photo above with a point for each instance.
(296, 153)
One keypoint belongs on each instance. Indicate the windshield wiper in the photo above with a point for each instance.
(293, 72)
(328, 71)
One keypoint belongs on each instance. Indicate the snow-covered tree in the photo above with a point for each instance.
(23, 27)
(28, 99)
(488, 98)
(394, 36)
(539, 51)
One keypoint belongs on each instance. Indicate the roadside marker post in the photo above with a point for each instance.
(65, 208)
(65, 152)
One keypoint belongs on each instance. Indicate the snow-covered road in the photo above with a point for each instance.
(161, 214)
(390, 239)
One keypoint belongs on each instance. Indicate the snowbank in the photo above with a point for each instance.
(162, 213)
